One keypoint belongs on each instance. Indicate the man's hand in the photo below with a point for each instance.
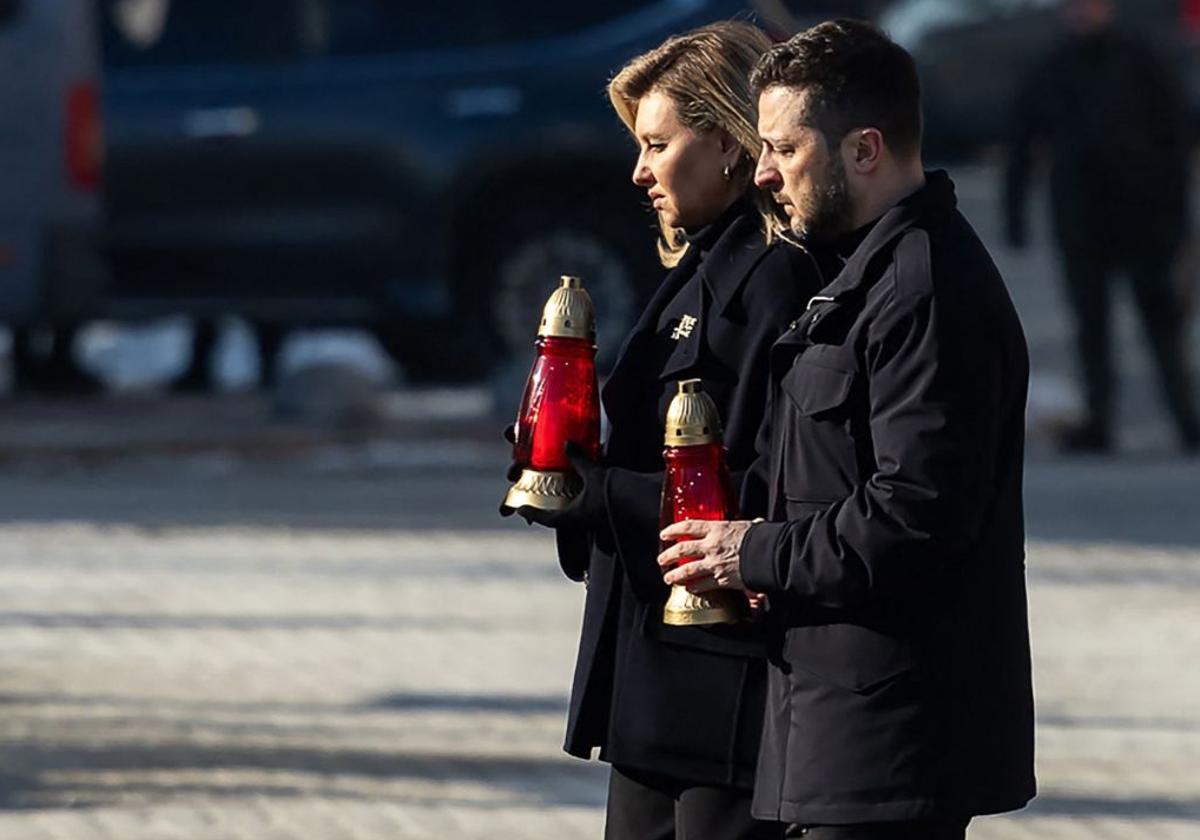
(715, 547)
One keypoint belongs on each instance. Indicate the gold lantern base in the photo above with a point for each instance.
(543, 490)
(717, 606)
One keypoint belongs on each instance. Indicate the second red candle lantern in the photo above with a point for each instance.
(696, 485)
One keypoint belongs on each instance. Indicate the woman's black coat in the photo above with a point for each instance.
(683, 702)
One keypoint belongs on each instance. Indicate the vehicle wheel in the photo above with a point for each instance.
(504, 279)
(616, 264)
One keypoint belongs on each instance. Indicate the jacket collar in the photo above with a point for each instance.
(721, 270)
(936, 196)
(825, 309)
(724, 269)
(666, 290)
(721, 274)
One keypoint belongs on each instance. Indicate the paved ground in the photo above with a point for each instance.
(209, 640)
(308, 650)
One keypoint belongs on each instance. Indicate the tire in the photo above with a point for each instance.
(504, 275)
(615, 260)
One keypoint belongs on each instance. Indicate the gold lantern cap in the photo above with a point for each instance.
(568, 312)
(692, 417)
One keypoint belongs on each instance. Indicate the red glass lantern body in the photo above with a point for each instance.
(696, 485)
(561, 403)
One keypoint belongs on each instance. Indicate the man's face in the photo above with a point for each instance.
(806, 179)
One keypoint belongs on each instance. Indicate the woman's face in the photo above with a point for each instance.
(682, 171)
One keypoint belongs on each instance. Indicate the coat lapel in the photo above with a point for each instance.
(732, 258)
(688, 330)
(719, 278)
(615, 390)
(710, 280)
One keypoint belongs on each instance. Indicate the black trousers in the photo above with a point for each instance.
(914, 830)
(1089, 276)
(645, 806)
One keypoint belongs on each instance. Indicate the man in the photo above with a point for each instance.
(1116, 127)
(899, 701)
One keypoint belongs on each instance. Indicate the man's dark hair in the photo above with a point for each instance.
(854, 76)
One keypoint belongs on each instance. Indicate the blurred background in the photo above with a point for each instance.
(271, 272)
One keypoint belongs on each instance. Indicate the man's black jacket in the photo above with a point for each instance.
(894, 554)
(683, 702)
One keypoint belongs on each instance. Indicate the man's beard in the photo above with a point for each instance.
(827, 213)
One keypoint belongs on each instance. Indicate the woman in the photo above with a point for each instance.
(677, 711)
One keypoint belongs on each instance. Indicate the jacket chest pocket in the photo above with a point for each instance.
(819, 462)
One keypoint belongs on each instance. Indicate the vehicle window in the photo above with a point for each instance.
(367, 26)
(158, 32)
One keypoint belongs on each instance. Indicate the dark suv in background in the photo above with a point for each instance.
(51, 151)
(424, 169)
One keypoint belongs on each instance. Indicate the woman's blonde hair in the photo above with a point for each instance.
(705, 73)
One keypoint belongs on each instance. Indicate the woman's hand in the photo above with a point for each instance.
(585, 510)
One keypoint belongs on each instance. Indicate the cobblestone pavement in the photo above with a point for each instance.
(282, 682)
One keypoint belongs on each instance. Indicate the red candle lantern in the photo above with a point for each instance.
(696, 485)
(561, 402)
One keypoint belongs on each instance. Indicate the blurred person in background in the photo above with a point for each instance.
(677, 711)
(1114, 124)
(200, 375)
(44, 362)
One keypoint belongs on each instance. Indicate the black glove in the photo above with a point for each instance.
(514, 469)
(1015, 233)
(586, 510)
